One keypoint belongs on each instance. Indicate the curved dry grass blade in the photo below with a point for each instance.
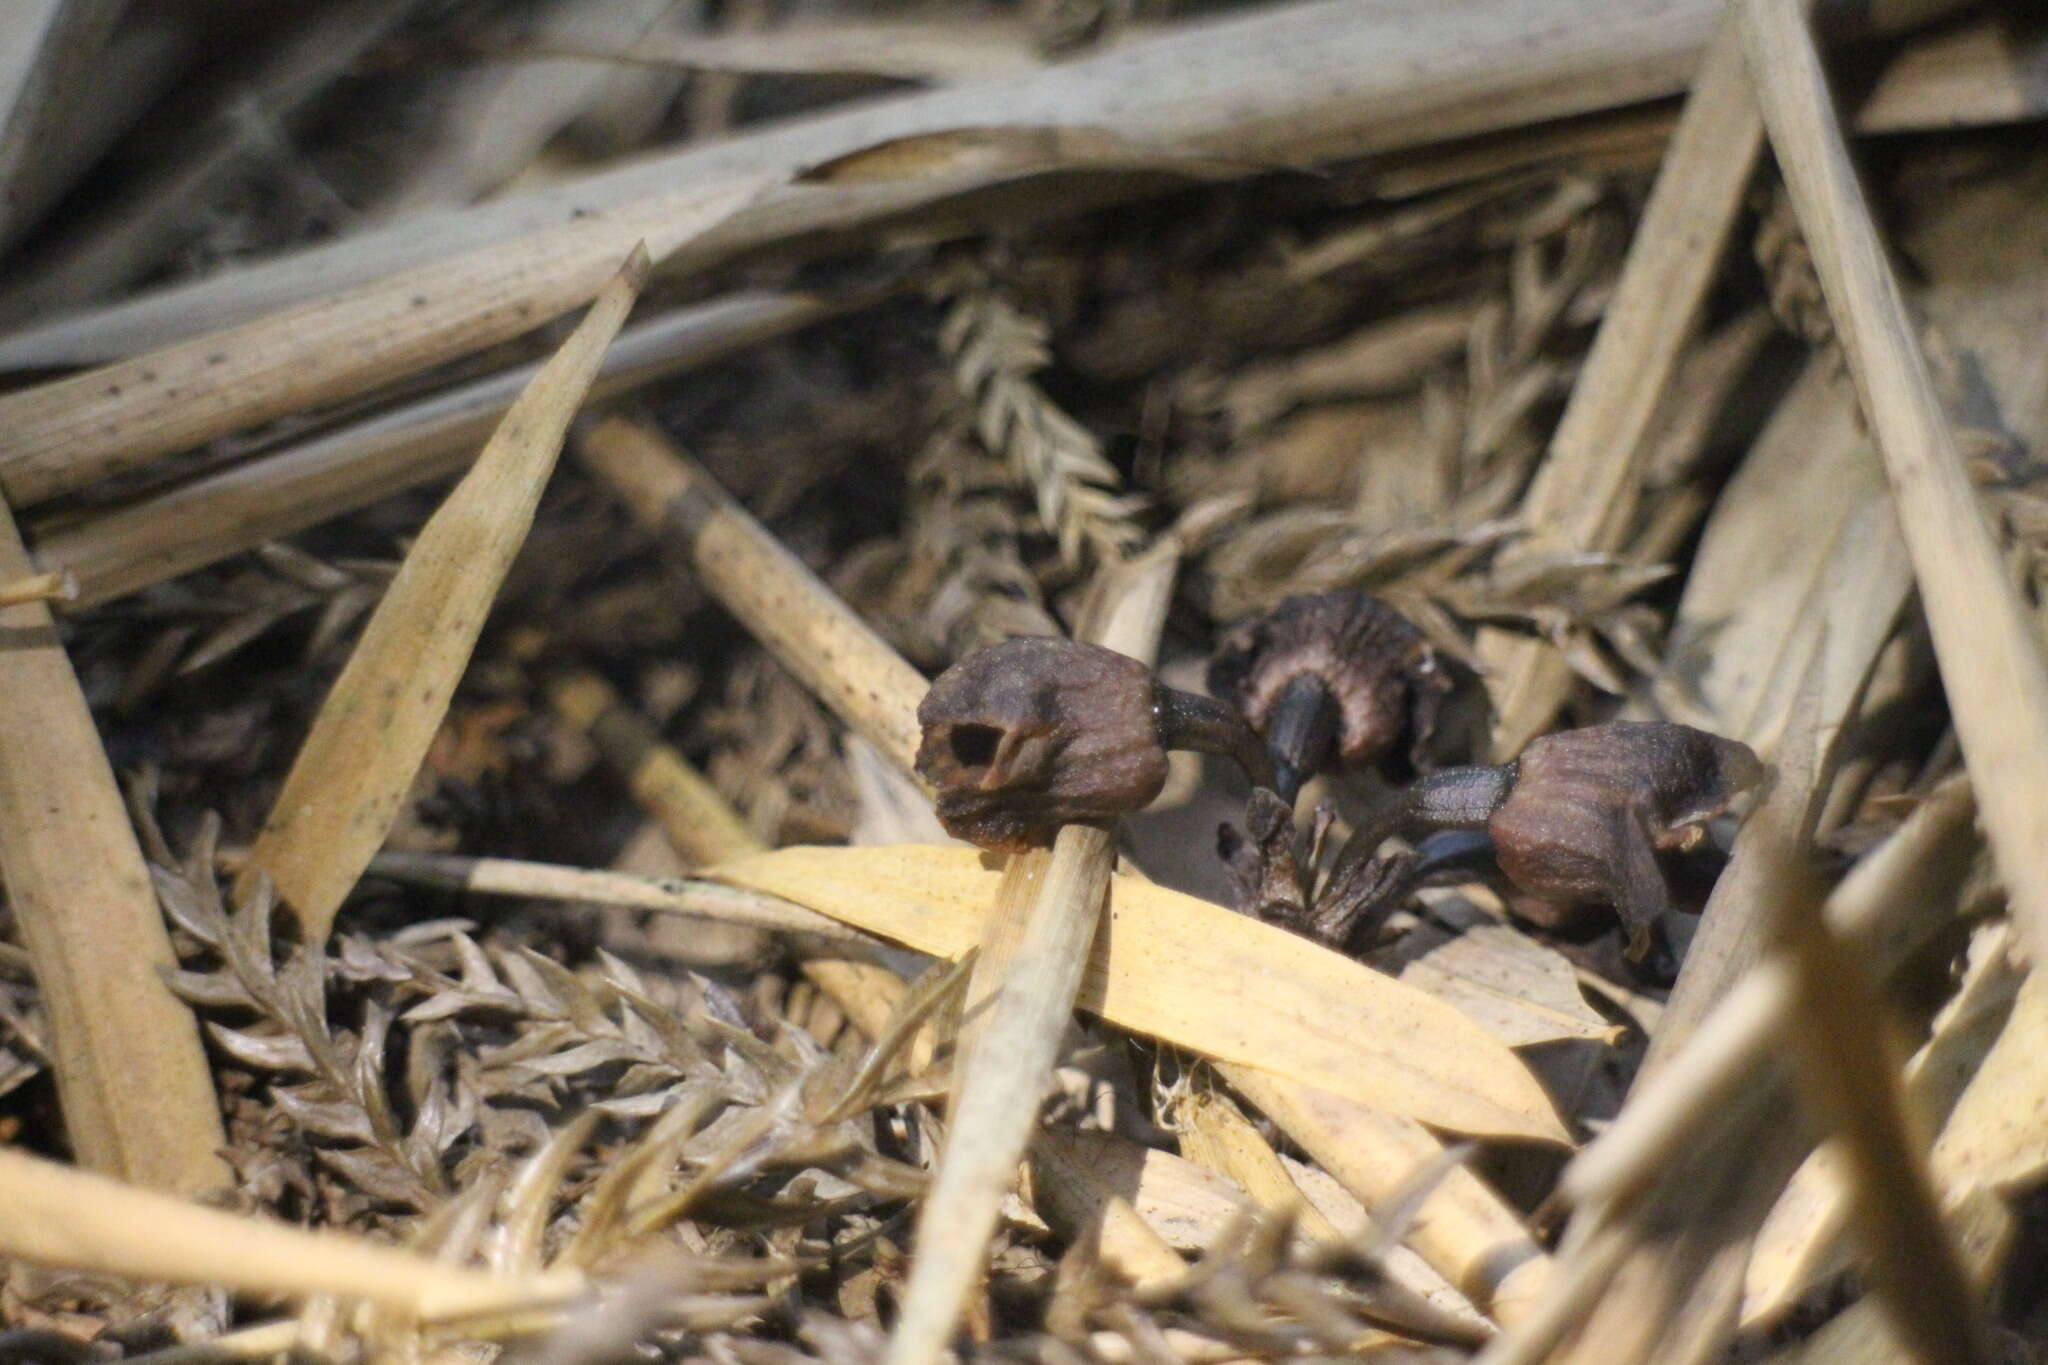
(132, 1078)
(54, 1216)
(367, 742)
(1989, 651)
(1204, 977)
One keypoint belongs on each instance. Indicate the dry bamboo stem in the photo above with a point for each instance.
(706, 830)
(1290, 84)
(655, 773)
(61, 1217)
(371, 733)
(132, 1080)
(224, 513)
(1988, 649)
(1020, 998)
(70, 433)
(1586, 490)
(804, 625)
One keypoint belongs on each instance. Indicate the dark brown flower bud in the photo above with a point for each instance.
(1031, 734)
(1334, 679)
(1579, 819)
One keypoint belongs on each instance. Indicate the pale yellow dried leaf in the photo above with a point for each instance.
(1202, 977)
(373, 730)
(1518, 990)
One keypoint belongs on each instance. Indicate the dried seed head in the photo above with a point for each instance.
(1591, 809)
(1580, 819)
(1332, 677)
(1031, 734)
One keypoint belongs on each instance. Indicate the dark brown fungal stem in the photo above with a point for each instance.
(1208, 726)
(1333, 679)
(1581, 818)
(1031, 734)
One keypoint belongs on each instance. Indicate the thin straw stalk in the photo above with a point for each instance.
(619, 890)
(1034, 946)
(132, 1079)
(368, 740)
(1988, 649)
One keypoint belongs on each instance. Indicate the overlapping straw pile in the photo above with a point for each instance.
(487, 485)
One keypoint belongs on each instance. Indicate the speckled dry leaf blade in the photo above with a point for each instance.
(73, 431)
(373, 730)
(51, 1215)
(1205, 978)
(1359, 79)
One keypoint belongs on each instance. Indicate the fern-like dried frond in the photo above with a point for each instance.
(995, 349)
